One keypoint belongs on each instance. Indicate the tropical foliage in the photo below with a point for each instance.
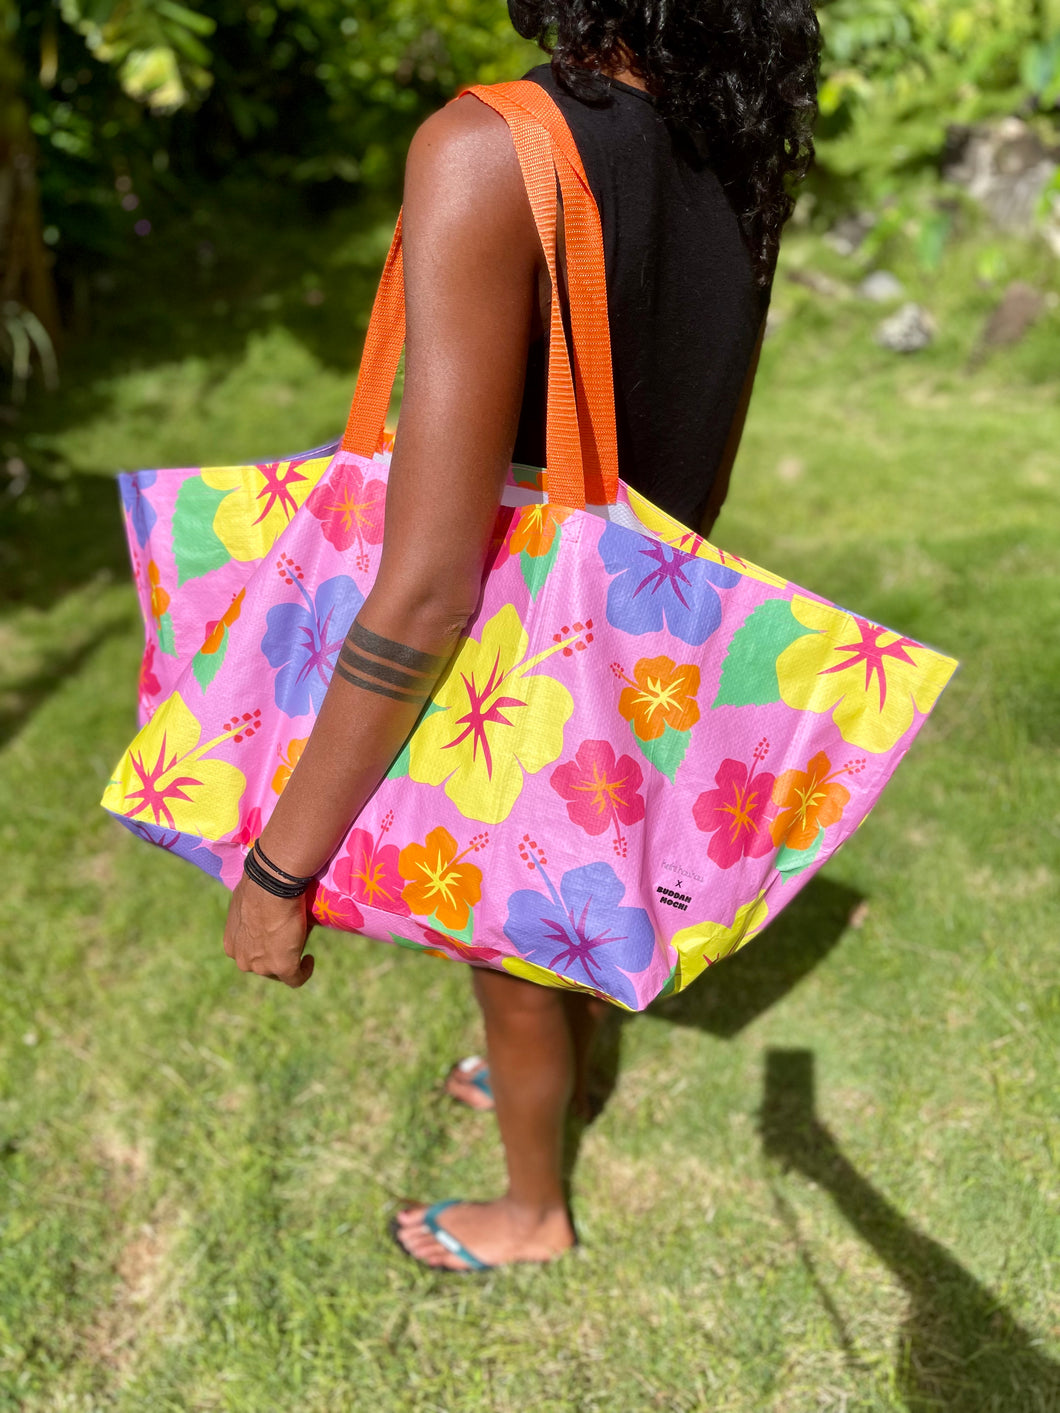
(896, 75)
(121, 102)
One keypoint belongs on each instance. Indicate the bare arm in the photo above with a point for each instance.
(472, 260)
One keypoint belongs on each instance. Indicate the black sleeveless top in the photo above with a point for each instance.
(683, 306)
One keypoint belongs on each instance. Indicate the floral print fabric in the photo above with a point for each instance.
(640, 751)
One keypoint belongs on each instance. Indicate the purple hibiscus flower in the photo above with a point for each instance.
(185, 846)
(141, 512)
(658, 585)
(582, 932)
(303, 640)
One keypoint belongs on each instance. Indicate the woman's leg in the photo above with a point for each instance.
(531, 1056)
(585, 1016)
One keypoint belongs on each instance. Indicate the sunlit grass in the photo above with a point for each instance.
(198, 1167)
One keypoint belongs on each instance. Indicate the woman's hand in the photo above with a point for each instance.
(267, 935)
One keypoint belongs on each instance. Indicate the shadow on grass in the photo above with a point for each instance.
(242, 260)
(733, 993)
(959, 1349)
(61, 534)
(739, 989)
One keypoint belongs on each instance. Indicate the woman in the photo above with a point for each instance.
(691, 120)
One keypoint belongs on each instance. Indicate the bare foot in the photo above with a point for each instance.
(499, 1233)
(459, 1082)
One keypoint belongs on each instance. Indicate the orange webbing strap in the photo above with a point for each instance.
(379, 361)
(540, 136)
(565, 482)
(587, 294)
(387, 329)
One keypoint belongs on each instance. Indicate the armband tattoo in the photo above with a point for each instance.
(404, 675)
(412, 658)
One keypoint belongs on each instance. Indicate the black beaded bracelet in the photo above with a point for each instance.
(276, 869)
(254, 870)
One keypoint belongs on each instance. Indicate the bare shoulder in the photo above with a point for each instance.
(462, 162)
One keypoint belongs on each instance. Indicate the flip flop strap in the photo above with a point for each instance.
(447, 1239)
(481, 1081)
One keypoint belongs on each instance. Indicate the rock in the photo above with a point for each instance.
(848, 233)
(1020, 306)
(1004, 165)
(881, 287)
(908, 329)
(1051, 224)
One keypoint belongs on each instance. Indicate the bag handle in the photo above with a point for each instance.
(581, 451)
(587, 293)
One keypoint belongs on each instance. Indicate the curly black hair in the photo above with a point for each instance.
(743, 72)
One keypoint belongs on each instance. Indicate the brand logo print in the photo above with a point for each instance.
(684, 871)
(673, 899)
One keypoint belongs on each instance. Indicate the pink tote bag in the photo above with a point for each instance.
(642, 748)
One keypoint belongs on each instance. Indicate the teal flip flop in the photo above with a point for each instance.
(480, 1081)
(443, 1238)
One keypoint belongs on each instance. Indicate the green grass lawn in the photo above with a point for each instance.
(826, 1178)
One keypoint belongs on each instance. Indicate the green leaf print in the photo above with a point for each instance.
(792, 862)
(463, 934)
(196, 547)
(536, 568)
(408, 943)
(166, 638)
(671, 985)
(205, 666)
(749, 673)
(666, 752)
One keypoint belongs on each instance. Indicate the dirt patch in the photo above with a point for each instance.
(143, 1294)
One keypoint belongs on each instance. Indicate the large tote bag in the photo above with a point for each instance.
(643, 747)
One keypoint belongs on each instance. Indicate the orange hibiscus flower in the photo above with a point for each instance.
(288, 763)
(437, 884)
(535, 529)
(663, 694)
(159, 596)
(809, 800)
(215, 632)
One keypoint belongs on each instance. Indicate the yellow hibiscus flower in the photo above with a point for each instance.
(869, 678)
(529, 971)
(705, 943)
(492, 721)
(166, 778)
(262, 501)
(673, 533)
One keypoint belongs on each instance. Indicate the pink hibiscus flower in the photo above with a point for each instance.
(735, 814)
(369, 872)
(149, 684)
(333, 909)
(350, 509)
(249, 827)
(444, 945)
(600, 791)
